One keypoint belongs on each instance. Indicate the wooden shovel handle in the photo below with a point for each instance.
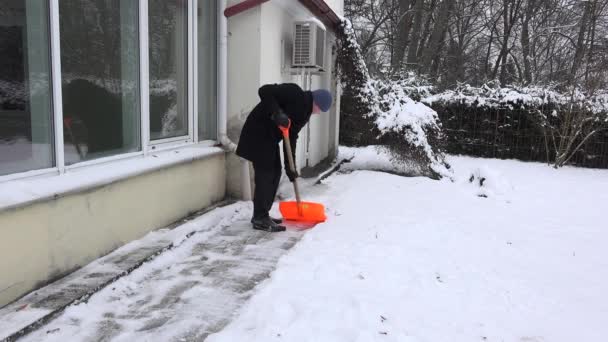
(292, 166)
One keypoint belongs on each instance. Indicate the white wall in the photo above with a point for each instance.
(259, 52)
(243, 83)
(276, 40)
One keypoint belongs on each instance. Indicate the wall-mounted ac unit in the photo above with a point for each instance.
(308, 45)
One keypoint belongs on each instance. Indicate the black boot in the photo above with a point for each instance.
(275, 220)
(267, 224)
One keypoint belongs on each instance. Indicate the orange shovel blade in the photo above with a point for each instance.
(308, 211)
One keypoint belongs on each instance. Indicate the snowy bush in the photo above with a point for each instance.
(415, 86)
(566, 120)
(380, 112)
(514, 97)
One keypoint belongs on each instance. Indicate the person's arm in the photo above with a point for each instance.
(269, 94)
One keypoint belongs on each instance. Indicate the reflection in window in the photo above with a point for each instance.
(207, 70)
(168, 40)
(26, 132)
(100, 77)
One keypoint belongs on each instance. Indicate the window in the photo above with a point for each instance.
(70, 86)
(26, 129)
(168, 41)
(207, 70)
(100, 77)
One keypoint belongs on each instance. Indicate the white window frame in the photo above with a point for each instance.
(173, 142)
(56, 117)
(147, 146)
(58, 102)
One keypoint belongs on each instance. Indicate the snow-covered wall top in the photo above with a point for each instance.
(514, 97)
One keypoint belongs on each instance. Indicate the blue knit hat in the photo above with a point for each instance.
(322, 99)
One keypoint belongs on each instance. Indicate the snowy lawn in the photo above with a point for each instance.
(522, 258)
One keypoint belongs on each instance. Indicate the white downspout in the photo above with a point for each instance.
(222, 93)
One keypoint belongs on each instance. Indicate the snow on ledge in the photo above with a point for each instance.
(22, 192)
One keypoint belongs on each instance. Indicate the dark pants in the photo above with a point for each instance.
(267, 179)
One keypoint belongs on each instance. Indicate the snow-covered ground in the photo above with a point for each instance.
(522, 258)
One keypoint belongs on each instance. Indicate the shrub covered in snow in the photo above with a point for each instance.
(514, 97)
(506, 115)
(380, 112)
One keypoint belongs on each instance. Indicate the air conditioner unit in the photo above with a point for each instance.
(308, 45)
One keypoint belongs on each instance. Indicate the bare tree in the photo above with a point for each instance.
(431, 54)
(588, 8)
(414, 42)
(559, 42)
(403, 25)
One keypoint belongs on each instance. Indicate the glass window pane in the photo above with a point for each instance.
(168, 36)
(207, 70)
(26, 129)
(100, 77)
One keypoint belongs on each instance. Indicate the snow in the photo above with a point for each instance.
(412, 259)
(406, 122)
(506, 251)
(23, 191)
(519, 97)
(194, 287)
(373, 158)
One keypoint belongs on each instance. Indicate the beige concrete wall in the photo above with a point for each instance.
(44, 240)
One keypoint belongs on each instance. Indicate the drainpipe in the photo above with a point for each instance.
(222, 93)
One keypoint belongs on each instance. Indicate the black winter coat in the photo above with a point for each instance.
(260, 135)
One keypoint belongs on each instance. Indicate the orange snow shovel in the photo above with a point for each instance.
(299, 211)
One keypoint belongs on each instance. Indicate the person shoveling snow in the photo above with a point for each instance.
(282, 105)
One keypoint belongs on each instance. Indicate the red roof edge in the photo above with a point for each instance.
(322, 11)
(318, 7)
(242, 7)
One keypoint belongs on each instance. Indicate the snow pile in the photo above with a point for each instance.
(380, 112)
(514, 97)
(489, 182)
(412, 123)
(483, 180)
(373, 158)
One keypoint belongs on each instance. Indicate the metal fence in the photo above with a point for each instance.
(506, 133)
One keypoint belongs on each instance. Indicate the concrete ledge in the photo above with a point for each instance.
(23, 192)
(37, 308)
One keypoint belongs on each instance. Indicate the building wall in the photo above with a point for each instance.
(243, 83)
(315, 140)
(49, 239)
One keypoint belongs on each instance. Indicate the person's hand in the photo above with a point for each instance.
(280, 119)
(292, 175)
